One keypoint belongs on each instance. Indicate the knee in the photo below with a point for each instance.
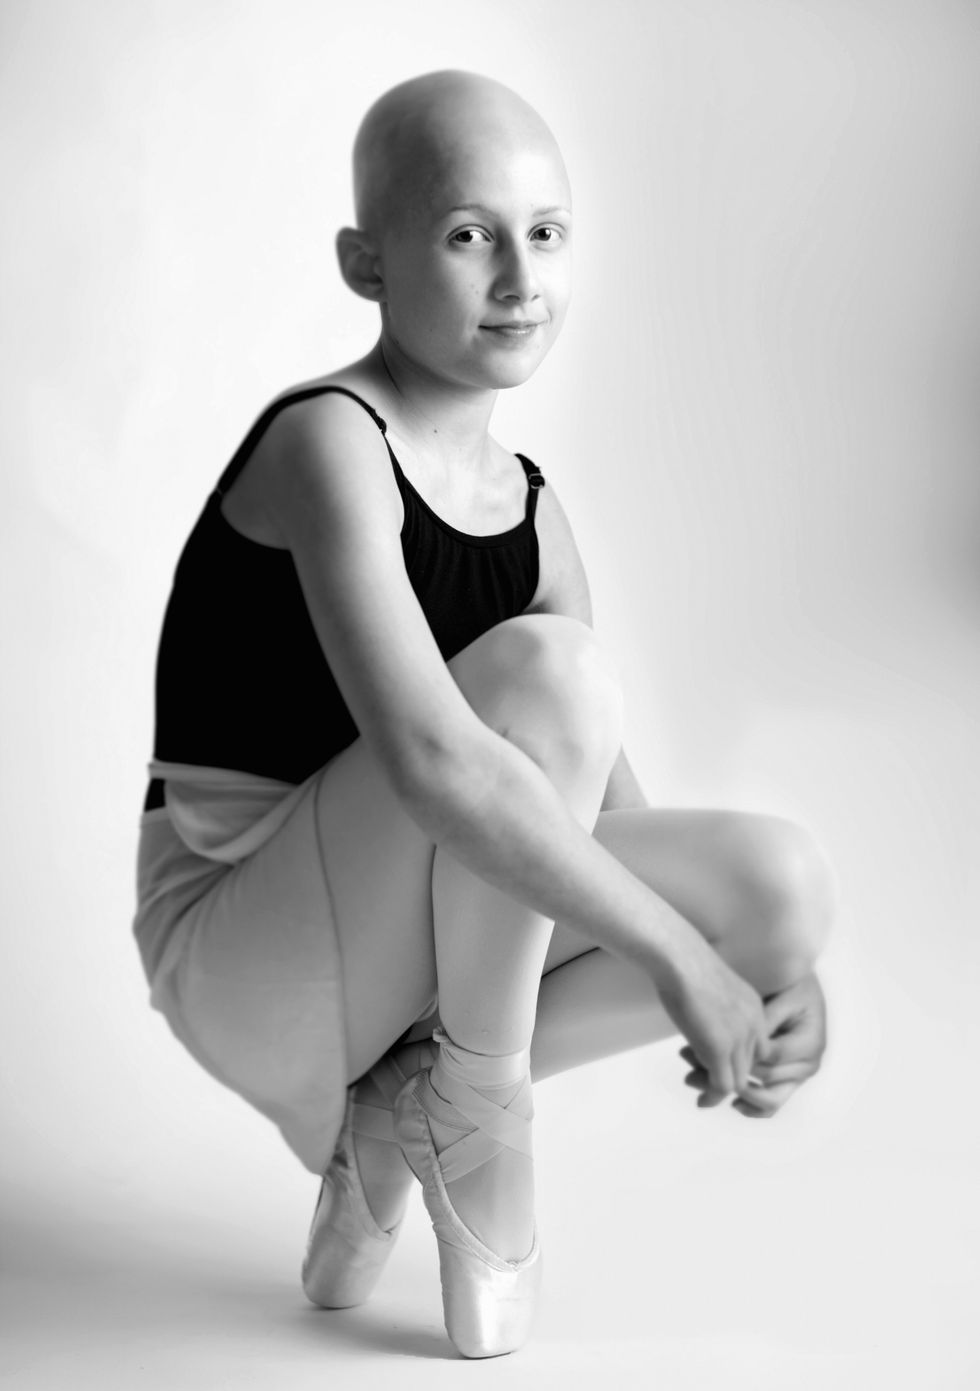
(790, 892)
(562, 700)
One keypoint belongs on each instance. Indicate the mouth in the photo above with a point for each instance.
(516, 330)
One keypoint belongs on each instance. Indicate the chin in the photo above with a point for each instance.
(517, 379)
(513, 370)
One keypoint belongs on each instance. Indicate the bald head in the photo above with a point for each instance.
(417, 141)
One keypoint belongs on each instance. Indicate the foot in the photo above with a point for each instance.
(385, 1177)
(454, 1144)
(496, 1200)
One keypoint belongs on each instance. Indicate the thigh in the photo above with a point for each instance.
(301, 964)
(378, 865)
(703, 862)
(329, 926)
(253, 987)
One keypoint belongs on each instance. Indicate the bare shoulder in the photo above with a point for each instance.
(326, 414)
(563, 585)
(319, 444)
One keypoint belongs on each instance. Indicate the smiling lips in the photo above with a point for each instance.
(517, 331)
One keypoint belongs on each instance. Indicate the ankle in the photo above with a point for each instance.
(491, 1073)
(478, 1089)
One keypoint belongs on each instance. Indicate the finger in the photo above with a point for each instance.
(784, 1072)
(698, 1081)
(742, 1085)
(742, 1072)
(766, 1102)
(803, 1026)
(698, 1078)
(753, 1113)
(711, 1097)
(722, 1077)
(715, 1087)
(750, 1090)
(782, 1009)
(801, 1047)
(746, 1102)
(771, 1056)
(779, 1011)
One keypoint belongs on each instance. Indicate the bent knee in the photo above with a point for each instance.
(546, 683)
(791, 887)
(559, 654)
(565, 690)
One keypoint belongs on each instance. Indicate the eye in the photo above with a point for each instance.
(469, 236)
(549, 235)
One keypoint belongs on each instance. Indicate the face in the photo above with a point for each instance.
(477, 270)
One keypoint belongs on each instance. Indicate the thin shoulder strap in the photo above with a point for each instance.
(244, 450)
(535, 480)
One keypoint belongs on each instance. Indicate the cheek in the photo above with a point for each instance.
(459, 284)
(439, 292)
(557, 296)
(560, 282)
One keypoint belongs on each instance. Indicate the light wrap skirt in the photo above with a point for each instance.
(238, 939)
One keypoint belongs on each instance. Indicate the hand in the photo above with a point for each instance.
(723, 1019)
(796, 1021)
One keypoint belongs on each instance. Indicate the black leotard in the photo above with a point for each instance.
(241, 679)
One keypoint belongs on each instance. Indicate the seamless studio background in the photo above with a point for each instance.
(762, 422)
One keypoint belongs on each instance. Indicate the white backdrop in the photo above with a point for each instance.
(762, 421)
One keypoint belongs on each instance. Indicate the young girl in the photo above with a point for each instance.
(393, 859)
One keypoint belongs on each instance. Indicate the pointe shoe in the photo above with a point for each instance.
(488, 1302)
(346, 1249)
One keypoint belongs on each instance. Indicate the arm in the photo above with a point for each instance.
(333, 498)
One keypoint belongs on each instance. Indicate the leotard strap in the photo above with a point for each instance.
(244, 450)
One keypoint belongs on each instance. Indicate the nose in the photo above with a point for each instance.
(516, 277)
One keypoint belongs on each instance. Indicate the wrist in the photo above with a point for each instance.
(675, 949)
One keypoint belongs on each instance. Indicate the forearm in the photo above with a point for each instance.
(509, 825)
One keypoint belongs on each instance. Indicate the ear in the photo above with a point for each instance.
(360, 264)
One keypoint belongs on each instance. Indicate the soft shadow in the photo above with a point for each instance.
(182, 1278)
(370, 1328)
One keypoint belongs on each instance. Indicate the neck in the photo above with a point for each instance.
(440, 416)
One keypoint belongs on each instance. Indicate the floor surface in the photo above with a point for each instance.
(709, 1256)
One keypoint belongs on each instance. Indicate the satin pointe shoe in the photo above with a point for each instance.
(488, 1302)
(346, 1249)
